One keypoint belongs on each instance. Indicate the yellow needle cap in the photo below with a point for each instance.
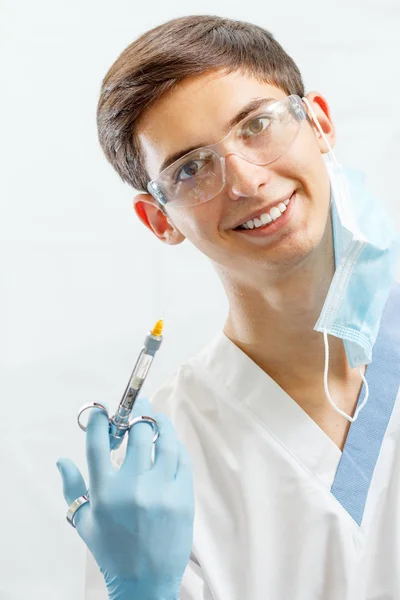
(158, 328)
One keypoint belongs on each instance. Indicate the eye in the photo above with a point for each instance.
(188, 170)
(198, 165)
(256, 126)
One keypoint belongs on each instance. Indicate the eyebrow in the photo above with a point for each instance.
(250, 107)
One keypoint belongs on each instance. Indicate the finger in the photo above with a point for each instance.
(73, 486)
(140, 440)
(73, 482)
(97, 448)
(166, 449)
(142, 407)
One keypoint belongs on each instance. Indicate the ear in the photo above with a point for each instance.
(323, 114)
(155, 219)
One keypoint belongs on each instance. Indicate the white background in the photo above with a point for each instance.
(81, 279)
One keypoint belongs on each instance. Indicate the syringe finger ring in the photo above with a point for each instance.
(95, 405)
(151, 422)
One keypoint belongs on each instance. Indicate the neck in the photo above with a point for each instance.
(273, 321)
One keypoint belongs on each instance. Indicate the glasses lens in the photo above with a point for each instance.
(261, 139)
(267, 136)
(195, 179)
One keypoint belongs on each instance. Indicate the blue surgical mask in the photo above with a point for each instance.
(366, 246)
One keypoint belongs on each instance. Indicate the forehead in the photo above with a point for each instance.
(195, 112)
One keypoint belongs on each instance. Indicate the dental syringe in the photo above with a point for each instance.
(119, 423)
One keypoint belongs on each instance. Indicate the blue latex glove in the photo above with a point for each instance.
(139, 522)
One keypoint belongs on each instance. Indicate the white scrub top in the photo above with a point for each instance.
(281, 512)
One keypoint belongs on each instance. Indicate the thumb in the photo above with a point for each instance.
(73, 482)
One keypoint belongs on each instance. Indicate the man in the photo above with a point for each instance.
(293, 448)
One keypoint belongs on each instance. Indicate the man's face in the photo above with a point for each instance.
(196, 114)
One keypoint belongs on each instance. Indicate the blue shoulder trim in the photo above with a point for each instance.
(366, 434)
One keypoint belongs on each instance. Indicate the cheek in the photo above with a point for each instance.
(305, 163)
(318, 180)
(196, 223)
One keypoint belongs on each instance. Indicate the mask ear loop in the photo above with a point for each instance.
(325, 333)
(327, 394)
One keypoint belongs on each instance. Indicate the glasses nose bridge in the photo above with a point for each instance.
(227, 145)
(236, 175)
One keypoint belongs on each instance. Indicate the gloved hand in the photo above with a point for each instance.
(139, 522)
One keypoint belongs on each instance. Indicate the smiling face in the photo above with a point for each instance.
(195, 114)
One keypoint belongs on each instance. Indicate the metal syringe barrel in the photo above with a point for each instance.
(119, 423)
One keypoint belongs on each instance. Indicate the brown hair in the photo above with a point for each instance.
(161, 58)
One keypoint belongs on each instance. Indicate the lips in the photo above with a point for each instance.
(273, 230)
(260, 211)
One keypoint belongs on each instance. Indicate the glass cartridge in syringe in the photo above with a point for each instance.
(119, 423)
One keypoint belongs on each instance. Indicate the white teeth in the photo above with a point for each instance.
(275, 213)
(266, 218)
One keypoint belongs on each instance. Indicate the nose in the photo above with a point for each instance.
(243, 178)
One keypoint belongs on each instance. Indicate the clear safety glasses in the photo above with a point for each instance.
(200, 175)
